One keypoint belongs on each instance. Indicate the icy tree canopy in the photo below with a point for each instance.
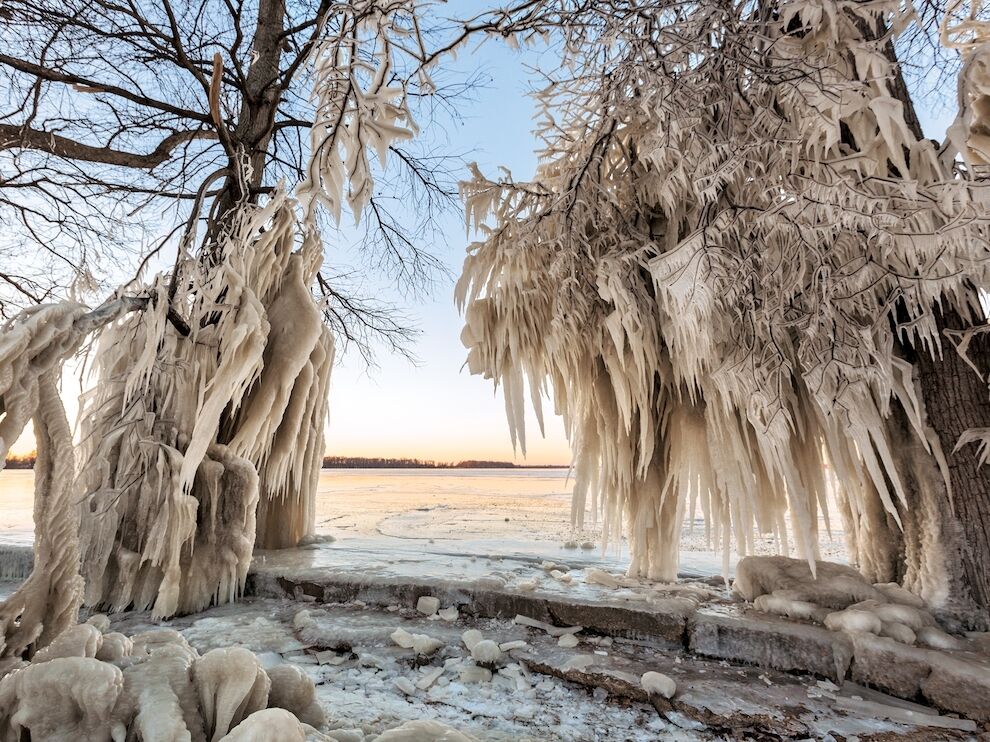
(733, 229)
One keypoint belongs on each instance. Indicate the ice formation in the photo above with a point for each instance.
(715, 295)
(236, 410)
(153, 686)
(32, 349)
(659, 684)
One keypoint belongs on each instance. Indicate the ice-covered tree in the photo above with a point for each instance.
(741, 271)
(214, 142)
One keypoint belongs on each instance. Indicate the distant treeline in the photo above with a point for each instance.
(361, 462)
(20, 462)
(356, 462)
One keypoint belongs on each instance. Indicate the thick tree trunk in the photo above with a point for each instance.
(956, 400)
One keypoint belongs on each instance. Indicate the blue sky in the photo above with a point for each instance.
(434, 409)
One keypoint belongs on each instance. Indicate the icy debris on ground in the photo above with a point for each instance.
(656, 683)
(152, 686)
(428, 605)
(448, 614)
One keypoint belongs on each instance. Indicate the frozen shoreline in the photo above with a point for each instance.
(515, 512)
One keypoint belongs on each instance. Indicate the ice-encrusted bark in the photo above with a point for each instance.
(715, 279)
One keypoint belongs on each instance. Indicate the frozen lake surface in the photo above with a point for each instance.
(448, 511)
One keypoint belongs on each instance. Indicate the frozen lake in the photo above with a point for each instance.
(476, 511)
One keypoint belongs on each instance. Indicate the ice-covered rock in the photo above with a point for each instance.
(898, 632)
(345, 735)
(835, 586)
(853, 620)
(81, 640)
(100, 621)
(656, 683)
(66, 698)
(268, 725)
(114, 647)
(231, 685)
(934, 637)
(781, 603)
(294, 690)
(897, 594)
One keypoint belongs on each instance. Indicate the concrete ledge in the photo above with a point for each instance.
(770, 642)
(663, 620)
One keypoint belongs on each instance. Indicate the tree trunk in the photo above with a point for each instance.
(956, 400)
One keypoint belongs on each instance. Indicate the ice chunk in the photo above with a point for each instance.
(934, 637)
(449, 614)
(475, 674)
(853, 620)
(428, 605)
(471, 637)
(405, 685)
(550, 629)
(898, 632)
(486, 652)
(600, 577)
(429, 678)
(419, 643)
(509, 646)
(656, 683)
(568, 641)
(424, 731)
